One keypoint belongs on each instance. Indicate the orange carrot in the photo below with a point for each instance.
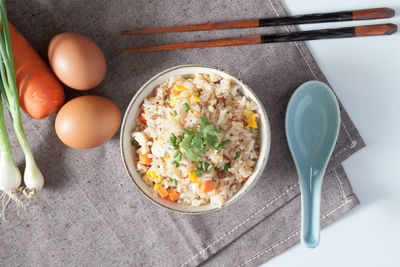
(173, 195)
(144, 159)
(206, 186)
(244, 179)
(162, 192)
(40, 93)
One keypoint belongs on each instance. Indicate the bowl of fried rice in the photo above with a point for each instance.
(195, 139)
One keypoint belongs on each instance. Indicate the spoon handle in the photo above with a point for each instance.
(310, 206)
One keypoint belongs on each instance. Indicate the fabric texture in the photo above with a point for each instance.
(90, 213)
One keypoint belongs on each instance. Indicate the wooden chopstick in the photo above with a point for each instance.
(358, 31)
(364, 14)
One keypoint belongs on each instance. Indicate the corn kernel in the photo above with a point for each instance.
(180, 87)
(193, 177)
(156, 186)
(246, 112)
(251, 121)
(196, 99)
(212, 96)
(253, 124)
(153, 176)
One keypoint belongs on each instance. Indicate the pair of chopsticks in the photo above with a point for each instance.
(356, 31)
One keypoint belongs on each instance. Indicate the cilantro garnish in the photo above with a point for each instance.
(198, 142)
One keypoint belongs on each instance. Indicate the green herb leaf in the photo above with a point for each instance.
(198, 142)
(191, 155)
(174, 113)
(176, 154)
(187, 132)
(203, 121)
(179, 156)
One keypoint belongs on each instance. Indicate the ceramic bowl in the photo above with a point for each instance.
(132, 114)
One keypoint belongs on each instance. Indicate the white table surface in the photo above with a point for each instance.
(365, 73)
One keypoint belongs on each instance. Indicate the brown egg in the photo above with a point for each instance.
(87, 121)
(77, 61)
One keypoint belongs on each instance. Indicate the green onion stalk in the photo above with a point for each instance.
(10, 176)
(33, 177)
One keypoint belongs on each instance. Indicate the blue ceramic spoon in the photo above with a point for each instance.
(312, 127)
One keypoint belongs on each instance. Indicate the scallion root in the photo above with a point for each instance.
(15, 196)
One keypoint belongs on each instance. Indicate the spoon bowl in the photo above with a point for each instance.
(312, 126)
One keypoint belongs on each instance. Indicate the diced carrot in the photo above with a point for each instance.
(244, 179)
(173, 195)
(206, 186)
(162, 192)
(144, 159)
(141, 117)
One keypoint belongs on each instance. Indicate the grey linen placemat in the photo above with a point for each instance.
(90, 213)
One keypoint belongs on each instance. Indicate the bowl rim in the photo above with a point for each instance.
(259, 103)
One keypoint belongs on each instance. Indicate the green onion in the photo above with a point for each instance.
(187, 132)
(203, 121)
(218, 147)
(197, 172)
(173, 140)
(172, 143)
(176, 154)
(201, 165)
(179, 139)
(237, 155)
(33, 178)
(225, 170)
(176, 146)
(173, 136)
(175, 164)
(10, 178)
(210, 167)
(167, 100)
(179, 156)
(174, 181)
(186, 107)
(174, 112)
(134, 142)
(226, 142)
